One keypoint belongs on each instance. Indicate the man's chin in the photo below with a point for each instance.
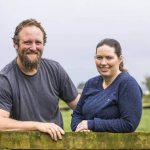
(32, 57)
(31, 65)
(31, 62)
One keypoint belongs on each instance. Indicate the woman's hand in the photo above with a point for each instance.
(82, 127)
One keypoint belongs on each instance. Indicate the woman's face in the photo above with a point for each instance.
(107, 62)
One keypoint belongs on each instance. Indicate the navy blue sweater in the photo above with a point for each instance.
(117, 108)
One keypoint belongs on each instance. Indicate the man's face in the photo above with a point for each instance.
(30, 47)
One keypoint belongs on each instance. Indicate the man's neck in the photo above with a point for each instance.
(25, 70)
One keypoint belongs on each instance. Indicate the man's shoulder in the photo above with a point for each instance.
(49, 62)
(8, 68)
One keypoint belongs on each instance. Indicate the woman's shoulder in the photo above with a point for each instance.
(94, 81)
(127, 79)
(125, 76)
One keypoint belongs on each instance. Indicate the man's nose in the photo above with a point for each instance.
(33, 47)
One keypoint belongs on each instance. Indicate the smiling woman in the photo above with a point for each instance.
(111, 102)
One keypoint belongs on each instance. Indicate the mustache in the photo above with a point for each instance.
(32, 52)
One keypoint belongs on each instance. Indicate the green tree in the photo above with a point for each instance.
(80, 87)
(147, 82)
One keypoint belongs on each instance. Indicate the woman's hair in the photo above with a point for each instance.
(116, 45)
(27, 23)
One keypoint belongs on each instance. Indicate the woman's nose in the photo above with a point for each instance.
(103, 61)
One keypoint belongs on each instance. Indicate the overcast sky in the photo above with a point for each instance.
(74, 27)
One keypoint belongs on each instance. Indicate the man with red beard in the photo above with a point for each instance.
(31, 86)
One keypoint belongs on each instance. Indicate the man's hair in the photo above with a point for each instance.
(27, 23)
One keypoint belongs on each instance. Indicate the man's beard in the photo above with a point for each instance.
(25, 60)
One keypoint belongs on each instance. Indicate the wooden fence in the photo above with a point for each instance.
(75, 141)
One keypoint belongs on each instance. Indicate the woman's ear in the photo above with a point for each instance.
(121, 58)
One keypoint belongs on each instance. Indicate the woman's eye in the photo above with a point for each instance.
(98, 57)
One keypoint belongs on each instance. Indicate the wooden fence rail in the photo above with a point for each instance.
(75, 141)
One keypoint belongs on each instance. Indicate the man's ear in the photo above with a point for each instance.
(16, 46)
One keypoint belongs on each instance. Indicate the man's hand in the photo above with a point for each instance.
(8, 124)
(54, 130)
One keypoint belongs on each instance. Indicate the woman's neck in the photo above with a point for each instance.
(108, 80)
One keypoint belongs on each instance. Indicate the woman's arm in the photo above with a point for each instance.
(77, 116)
(130, 107)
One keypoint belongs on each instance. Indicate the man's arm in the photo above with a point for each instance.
(73, 103)
(8, 124)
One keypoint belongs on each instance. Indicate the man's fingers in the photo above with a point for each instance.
(57, 132)
(54, 131)
(59, 135)
(50, 132)
(61, 130)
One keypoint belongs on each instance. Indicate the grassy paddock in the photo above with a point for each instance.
(67, 120)
(144, 125)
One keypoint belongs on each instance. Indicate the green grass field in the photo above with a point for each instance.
(67, 120)
(144, 125)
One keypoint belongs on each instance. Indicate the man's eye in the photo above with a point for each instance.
(27, 42)
(38, 43)
(109, 57)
